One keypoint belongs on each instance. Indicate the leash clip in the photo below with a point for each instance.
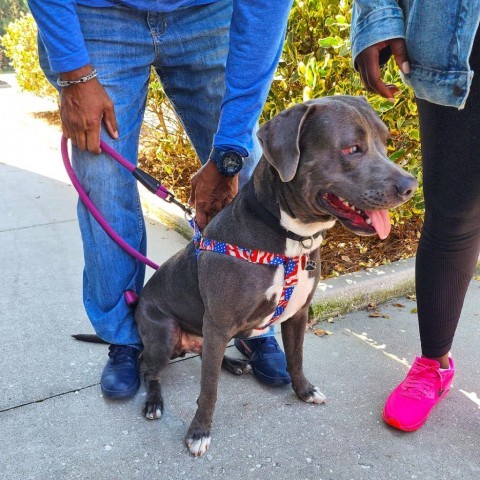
(188, 214)
(187, 210)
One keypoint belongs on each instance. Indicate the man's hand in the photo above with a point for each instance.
(210, 192)
(369, 66)
(83, 107)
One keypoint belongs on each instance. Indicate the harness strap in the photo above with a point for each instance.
(290, 264)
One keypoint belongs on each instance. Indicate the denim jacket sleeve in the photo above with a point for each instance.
(375, 21)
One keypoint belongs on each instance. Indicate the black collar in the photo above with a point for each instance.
(271, 220)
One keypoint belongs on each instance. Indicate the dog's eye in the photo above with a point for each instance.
(350, 150)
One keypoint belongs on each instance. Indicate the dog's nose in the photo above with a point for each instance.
(405, 186)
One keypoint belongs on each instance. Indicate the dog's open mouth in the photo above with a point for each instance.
(362, 222)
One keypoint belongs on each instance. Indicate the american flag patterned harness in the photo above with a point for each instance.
(290, 265)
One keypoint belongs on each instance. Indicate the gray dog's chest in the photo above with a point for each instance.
(306, 282)
(247, 294)
(301, 293)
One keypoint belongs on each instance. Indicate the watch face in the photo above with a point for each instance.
(228, 162)
(232, 163)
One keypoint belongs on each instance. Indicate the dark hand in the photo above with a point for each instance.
(369, 66)
(83, 107)
(210, 192)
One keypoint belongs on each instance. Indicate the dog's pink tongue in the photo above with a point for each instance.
(380, 221)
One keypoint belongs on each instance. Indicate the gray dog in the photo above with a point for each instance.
(324, 160)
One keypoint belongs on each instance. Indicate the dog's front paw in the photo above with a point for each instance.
(198, 442)
(311, 394)
(316, 396)
(153, 410)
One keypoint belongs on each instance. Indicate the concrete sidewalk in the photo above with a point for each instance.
(55, 424)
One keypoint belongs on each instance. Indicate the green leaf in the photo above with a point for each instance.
(415, 134)
(397, 154)
(334, 42)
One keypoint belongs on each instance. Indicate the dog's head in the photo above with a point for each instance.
(332, 151)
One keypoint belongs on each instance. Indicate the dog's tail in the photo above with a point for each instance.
(88, 337)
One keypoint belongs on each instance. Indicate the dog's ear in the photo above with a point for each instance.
(279, 138)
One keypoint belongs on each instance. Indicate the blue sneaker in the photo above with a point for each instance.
(267, 359)
(121, 375)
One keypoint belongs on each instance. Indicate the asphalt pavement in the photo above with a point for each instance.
(55, 424)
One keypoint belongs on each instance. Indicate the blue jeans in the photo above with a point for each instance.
(188, 49)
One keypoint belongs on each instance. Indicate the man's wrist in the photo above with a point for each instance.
(77, 73)
(76, 77)
(228, 161)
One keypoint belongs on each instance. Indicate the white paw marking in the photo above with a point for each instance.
(245, 370)
(154, 415)
(200, 446)
(317, 397)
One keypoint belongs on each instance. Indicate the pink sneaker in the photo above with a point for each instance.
(409, 405)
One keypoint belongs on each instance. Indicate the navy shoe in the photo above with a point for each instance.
(121, 375)
(267, 359)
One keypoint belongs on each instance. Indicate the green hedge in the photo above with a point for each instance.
(10, 10)
(316, 62)
(20, 46)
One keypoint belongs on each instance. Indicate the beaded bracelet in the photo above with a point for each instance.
(86, 78)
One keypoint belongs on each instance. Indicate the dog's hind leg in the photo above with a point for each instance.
(237, 366)
(293, 332)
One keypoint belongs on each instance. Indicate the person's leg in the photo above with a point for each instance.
(448, 249)
(450, 242)
(121, 49)
(191, 52)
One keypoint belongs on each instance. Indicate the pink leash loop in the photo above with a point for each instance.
(161, 192)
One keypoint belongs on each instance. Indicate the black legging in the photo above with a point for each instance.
(450, 243)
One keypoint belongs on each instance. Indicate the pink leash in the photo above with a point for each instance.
(144, 178)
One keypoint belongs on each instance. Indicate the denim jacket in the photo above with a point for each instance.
(439, 36)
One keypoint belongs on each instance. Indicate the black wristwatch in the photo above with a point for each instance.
(228, 162)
